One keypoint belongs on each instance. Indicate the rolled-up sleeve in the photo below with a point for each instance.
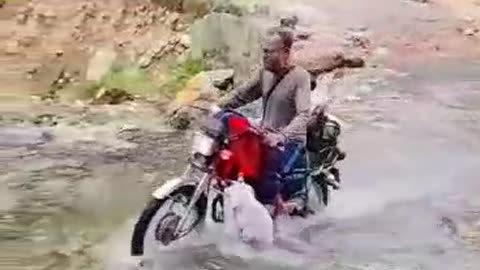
(244, 94)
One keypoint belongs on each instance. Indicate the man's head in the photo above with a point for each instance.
(276, 49)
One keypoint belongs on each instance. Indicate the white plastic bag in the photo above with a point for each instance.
(246, 218)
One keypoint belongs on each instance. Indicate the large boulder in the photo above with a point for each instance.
(323, 54)
(199, 91)
(206, 85)
(227, 40)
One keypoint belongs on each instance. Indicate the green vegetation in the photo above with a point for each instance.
(179, 74)
(122, 83)
(131, 79)
(119, 84)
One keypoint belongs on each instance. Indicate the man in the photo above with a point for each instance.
(284, 88)
(285, 91)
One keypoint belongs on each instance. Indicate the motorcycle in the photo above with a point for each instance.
(225, 148)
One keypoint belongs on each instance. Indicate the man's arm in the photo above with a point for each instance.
(298, 126)
(244, 94)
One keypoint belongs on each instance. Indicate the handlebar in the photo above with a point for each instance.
(214, 111)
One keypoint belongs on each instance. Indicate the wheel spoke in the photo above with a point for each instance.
(168, 228)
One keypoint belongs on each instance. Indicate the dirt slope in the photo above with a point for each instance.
(39, 38)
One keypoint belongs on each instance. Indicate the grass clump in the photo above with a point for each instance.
(179, 74)
(131, 79)
(122, 83)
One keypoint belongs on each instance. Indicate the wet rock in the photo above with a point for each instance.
(18, 137)
(227, 41)
(101, 63)
(224, 83)
(181, 119)
(47, 119)
(304, 35)
(318, 59)
(449, 225)
(290, 22)
(354, 62)
(197, 7)
(358, 40)
(317, 62)
(112, 96)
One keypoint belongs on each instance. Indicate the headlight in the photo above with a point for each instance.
(203, 144)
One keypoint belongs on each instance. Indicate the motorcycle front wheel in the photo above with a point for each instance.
(159, 220)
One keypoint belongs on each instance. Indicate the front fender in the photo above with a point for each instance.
(169, 186)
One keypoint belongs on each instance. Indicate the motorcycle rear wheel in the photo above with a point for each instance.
(156, 225)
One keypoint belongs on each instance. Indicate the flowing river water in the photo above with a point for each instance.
(410, 181)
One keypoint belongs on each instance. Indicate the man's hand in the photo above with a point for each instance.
(214, 109)
(275, 139)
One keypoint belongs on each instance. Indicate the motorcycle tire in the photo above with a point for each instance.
(144, 222)
(217, 209)
(325, 192)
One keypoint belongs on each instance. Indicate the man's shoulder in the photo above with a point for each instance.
(301, 73)
(298, 73)
(295, 69)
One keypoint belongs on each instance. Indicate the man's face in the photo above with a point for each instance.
(275, 55)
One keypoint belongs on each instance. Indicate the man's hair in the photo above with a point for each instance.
(285, 35)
